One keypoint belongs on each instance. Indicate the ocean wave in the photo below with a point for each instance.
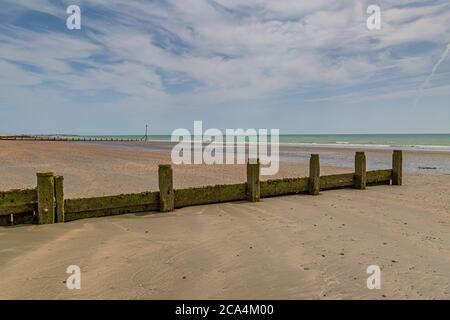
(341, 145)
(435, 148)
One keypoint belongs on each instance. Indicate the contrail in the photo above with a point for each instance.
(433, 71)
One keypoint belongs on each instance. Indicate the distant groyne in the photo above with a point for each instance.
(64, 138)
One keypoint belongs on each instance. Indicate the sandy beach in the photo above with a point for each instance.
(292, 247)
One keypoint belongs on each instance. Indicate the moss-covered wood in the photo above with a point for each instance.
(71, 216)
(18, 197)
(253, 183)
(314, 175)
(397, 168)
(21, 208)
(59, 198)
(143, 201)
(379, 177)
(278, 187)
(20, 203)
(166, 193)
(336, 181)
(360, 177)
(5, 220)
(17, 219)
(210, 194)
(46, 198)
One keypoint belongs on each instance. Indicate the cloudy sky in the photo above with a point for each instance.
(300, 66)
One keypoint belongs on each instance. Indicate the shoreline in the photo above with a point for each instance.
(305, 146)
(338, 146)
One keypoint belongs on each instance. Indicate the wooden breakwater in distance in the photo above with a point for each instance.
(63, 138)
(46, 204)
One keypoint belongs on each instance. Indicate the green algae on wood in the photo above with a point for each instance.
(336, 181)
(210, 194)
(166, 193)
(278, 187)
(397, 168)
(314, 174)
(148, 200)
(18, 201)
(46, 198)
(59, 198)
(18, 197)
(360, 171)
(17, 219)
(253, 183)
(377, 177)
(71, 216)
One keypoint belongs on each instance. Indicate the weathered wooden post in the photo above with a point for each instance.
(314, 174)
(46, 198)
(253, 183)
(360, 171)
(397, 167)
(59, 196)
(166, 193)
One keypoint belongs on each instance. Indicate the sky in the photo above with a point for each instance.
(308, 67)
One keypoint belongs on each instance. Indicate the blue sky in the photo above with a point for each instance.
(300, 66)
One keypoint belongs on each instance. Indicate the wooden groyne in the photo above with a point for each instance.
(63, 138)
(46, 203)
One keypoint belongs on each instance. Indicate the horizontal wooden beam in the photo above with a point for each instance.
(71, 216)
(18, 197)
(210, 194)
(17, 219)
(112, 202)
(278, 187)
(21, 208)
(375, 177)
(17, 202)
(337, 181)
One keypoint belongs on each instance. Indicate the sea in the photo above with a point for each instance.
(407, 141)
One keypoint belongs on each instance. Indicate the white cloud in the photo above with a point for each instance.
(227, 49)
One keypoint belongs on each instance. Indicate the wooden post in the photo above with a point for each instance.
(166, 193)
(397, 168)
(253, 183)
(59, 195)
(46, 198)
(314, 174)
(360, 171)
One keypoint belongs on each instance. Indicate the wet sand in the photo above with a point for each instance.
(292, 247)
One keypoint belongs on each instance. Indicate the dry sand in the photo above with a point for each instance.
(292, 247)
